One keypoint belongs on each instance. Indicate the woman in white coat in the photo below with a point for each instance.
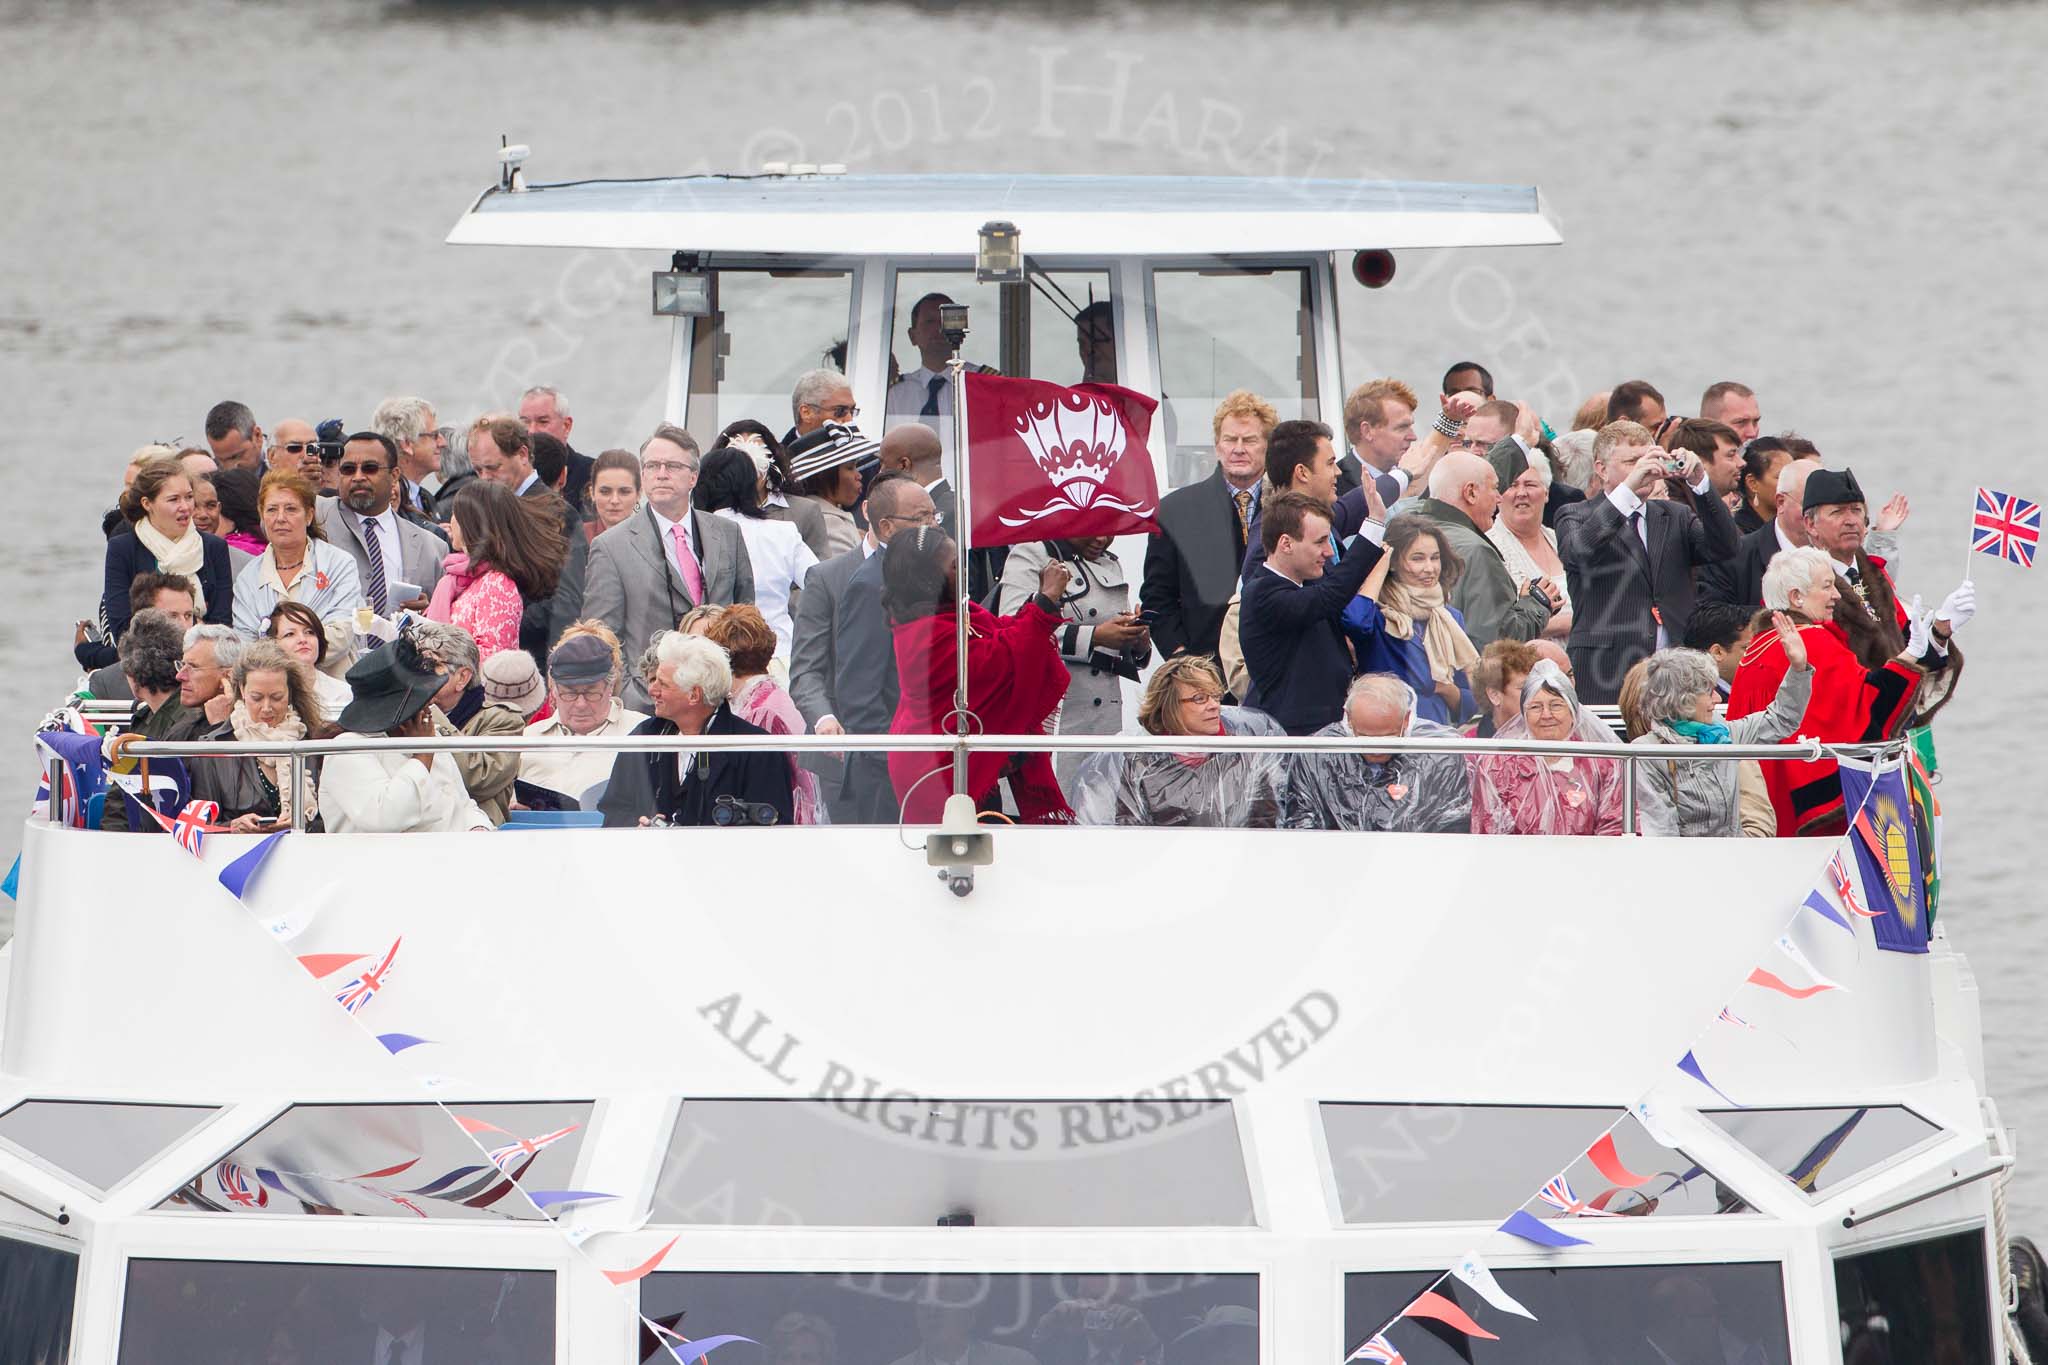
(1102, 642)
(394, 793)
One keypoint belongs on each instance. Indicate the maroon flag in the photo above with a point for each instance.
(1054, 463)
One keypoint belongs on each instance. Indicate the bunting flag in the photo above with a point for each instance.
(689, 1352)
(237, 875)
(645, 1268)
(241, 1191)
(503, 1157)
(1557, 1192)
(1818, 903)
(1728, 1016)
(1432, 1305)
(194, 823)
(1807, 1169)
(1887, 851)
(363, 988)
(395, 1043)
(1379, 1350)
(1845, 889)
(1608, 1162)
(82, 773)
(1530, 1228)
(11, 886)
(400, 1169)
(327, 964)
(1771, 981)
(1473, 1273)
(1690, 1065)
(1785, 945)
(547, 1199)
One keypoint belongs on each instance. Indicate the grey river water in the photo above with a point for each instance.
(1837, 203)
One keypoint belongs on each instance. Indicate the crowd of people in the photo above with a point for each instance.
(1475, 574)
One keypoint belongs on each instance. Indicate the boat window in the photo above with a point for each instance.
(1226, 329)
(1727, 1314)
(1047, 1319)
(1032, 330)
(1409, 1163)
(1820, 1150)
(395, 1161)
(1921, 1301)
(98, 1145)
(767, 327)
(38, 1288)
(256, 1310)
(1040, 1163)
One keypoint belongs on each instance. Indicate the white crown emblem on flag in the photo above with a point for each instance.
(1076, 439)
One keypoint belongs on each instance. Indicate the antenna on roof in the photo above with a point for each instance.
(511, 157)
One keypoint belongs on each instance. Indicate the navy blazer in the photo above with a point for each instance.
(647, 783)
(127, 557)
(1293, 642)
(1192, 564)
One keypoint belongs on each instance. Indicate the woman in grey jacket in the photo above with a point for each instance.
(1693, 798)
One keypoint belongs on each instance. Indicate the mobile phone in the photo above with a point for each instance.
(1147, 617)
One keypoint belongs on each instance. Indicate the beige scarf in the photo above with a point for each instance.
(1448, 648)
(182, 556)
(278, 770)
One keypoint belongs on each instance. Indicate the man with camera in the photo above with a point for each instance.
(1629, 557)
(692, 679)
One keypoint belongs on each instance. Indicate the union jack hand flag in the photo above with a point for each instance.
(2006, 526)
(1378, 1349)
(240, 1190)
(192, 823)
(361, 990)
(1845, 889)
(503, 1157)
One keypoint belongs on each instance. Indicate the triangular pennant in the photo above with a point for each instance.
(237, 875)
(400, 1169)
(1606, 1161)
(395, 1043)
(327, 964)
(1771, 981)
(645, 1268)
(1430, 1304)
(1798, 959)
(690, 1352)
(11, 886)
(1472, 1272)
(1690, 1065)
(1817, 902)
(547, 1199)
(1530, 1228)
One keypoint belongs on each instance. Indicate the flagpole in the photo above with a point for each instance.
(963, 520)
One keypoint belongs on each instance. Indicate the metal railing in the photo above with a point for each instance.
(1802, 750)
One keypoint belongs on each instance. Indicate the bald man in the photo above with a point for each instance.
(1739, 580)
(1464, 496)
(296, 446)
(915, 449)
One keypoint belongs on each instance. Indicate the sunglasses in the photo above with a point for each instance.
(299, 447)
(351, 469)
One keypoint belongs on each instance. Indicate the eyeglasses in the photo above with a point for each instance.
(666, 466)
(1198, 698)
(352, 469)
(928, 517)
(186, 666)
(594, 692)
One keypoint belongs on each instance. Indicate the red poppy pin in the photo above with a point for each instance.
(319, 580)
(1397, 790)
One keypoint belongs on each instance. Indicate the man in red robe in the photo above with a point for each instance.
(1851, 703)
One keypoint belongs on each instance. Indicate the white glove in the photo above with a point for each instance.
(1959, 606)
(1919, 630)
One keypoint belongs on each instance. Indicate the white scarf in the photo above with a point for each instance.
(278, 770)
(182, 556)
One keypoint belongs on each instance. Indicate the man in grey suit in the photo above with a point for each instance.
(842, 669)
(388, 548)
(666, 558)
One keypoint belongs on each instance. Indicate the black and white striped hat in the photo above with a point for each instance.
(829, 447)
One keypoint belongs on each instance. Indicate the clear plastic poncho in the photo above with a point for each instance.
(1534, 794)
(1218, 791)
(1429, 793)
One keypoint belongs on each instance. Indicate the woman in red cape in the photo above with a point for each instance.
(1015, 679)
(1850, 703)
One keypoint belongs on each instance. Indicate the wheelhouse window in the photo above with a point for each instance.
(766, 328)
(193, 1311)
(98, 1145)
(38, 1290)
(1821, 1150)
(1002, 1163)
(1404, 1163)
(1227, 328)
(1058, 326)
(910, 1319)
(1722, 1314)
(1921, 1301)
(395, 1161)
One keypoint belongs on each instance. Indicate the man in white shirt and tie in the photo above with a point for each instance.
(363, 520)
(926, 393)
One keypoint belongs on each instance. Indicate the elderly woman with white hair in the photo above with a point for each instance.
(1695, 798)
(692, 682)
(1544, 793)
(1527, 546)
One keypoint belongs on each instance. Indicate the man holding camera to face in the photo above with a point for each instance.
(1629, 557)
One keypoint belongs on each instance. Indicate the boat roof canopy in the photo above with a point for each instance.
(1056, 215)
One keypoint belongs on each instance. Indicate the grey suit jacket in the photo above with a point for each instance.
(808, 518)
(420, 551)
(814, 652)
(630, 584)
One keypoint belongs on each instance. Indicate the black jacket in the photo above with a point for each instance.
(1740, 578)
(1192, 566)
(127, 557)
(648, 784)
(1293, 645)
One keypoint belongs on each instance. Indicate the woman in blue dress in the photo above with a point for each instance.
(1401, 622)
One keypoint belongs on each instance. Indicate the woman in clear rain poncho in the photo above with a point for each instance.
(1539, 794)
(1184, 697)
(1674, 796)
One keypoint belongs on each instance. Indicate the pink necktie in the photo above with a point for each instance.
(693, 577)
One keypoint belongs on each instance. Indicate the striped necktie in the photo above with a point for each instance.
(379, 594)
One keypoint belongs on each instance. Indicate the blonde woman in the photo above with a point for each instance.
(1184, 696)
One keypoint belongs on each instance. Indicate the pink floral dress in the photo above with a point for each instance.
(483, 602)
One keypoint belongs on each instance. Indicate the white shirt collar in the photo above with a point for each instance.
(530, 480)
(1279, 574)
(668, 528)
(1779, 532)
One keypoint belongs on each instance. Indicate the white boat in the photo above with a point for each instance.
(1169, 1095)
